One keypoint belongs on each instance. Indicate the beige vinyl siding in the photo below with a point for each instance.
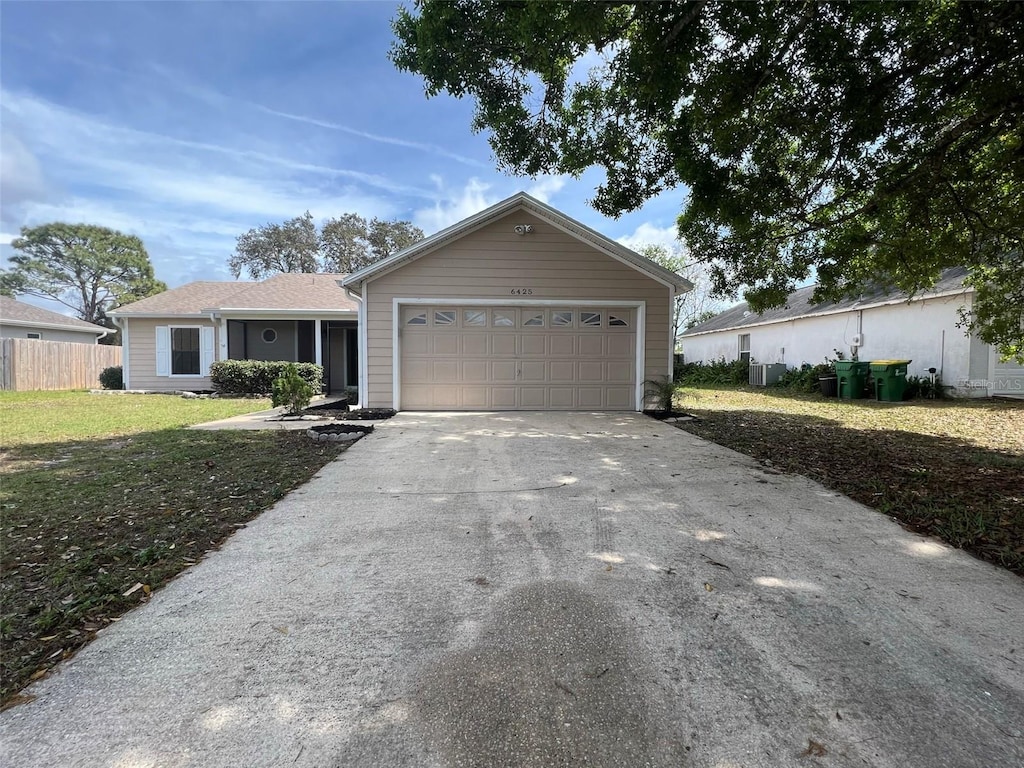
(141, 357)
(492, 261)
(48, 334)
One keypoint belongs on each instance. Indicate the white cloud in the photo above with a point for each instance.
(546, 187)
(650, 234)
(449, 209)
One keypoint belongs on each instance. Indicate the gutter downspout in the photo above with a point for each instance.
(122, 324)
(222, 334)
(361, 336)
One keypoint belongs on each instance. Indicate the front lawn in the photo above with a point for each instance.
(55, 417)
(949, 468)
(106, 498)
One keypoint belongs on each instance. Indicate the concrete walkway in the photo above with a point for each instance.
(272, 418)
(551, 589)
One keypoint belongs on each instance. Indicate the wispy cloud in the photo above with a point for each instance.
(58, 124)
(189, 198)
(393, 141)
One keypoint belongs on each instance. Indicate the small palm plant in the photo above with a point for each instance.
(662, 391)
(291, 390)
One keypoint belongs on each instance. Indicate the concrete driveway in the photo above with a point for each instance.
(551, 590)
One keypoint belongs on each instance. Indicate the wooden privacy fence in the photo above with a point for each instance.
(37, 364)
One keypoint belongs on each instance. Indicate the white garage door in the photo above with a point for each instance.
(1007, 377)
(517, 358)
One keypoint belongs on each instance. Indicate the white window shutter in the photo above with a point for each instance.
(163, 350)
(205, 351)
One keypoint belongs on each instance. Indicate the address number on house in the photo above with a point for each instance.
(521, 292)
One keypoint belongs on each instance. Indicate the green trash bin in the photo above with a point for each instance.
(853, 376)
(890, 379)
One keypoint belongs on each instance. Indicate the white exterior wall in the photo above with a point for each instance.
(922, 331)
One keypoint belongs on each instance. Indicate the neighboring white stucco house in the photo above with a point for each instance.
(19, 320)
(875, 326)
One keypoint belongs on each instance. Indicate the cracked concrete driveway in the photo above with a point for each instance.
(551, 589)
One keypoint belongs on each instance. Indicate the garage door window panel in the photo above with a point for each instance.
(590, 319)
(444, 317)
(533, 319)
(503, 318)
(561, 319)
(474, 318)
(415, 317)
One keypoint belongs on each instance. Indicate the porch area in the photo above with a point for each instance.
(330, 343)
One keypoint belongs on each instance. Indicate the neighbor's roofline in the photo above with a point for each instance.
(827, 313)
(567, 224)
(93, 329)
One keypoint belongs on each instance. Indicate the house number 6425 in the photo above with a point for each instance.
(521, 292)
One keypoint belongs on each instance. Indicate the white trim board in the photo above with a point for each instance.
(396, 312)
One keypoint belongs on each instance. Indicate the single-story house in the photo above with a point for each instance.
(879, 325)
(19, 320)
(169, 340)
(518, 307)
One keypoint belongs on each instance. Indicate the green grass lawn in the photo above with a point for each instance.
(104, 498)
(950, 468)
(56, 417)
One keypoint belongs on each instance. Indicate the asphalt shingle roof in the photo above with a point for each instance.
(19, 311)
(293, 291)
(298, 291)
(188, 299)
(798, 304)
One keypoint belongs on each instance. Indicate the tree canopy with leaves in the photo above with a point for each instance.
(869, 143)
(341, 245)
(87, 268)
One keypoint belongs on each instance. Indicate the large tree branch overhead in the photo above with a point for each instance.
(857, 142)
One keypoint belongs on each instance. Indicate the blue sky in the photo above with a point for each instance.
(189, 123)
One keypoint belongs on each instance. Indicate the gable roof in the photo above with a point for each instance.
(298, 292)
(13, 312)
(522, 201)
(798, 304)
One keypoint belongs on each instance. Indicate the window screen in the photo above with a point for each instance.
(185, 351)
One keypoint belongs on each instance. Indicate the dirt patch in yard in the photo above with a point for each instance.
(952, 470)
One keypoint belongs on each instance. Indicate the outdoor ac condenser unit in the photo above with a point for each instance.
(764, 374)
